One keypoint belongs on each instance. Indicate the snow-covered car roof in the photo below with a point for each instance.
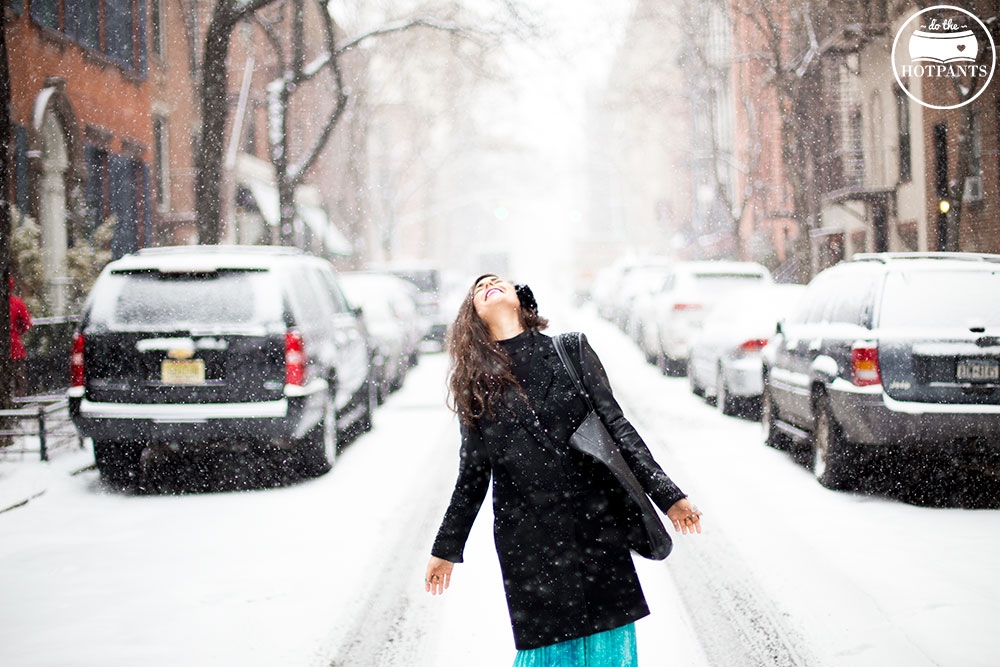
(183, 259)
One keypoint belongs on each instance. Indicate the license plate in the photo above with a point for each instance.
(977, 370)
(182, 371)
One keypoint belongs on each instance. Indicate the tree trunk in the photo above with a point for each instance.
(5, 223)
(214, 114)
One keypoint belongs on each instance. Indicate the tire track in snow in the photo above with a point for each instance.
(736, 622)
(382, 633)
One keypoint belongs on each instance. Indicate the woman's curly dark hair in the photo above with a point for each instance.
(481, 372)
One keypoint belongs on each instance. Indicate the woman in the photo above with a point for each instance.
(569, 579)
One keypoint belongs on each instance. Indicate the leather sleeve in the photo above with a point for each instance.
(473, 481)
(657, 484)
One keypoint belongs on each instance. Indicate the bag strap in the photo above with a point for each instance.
(571, 367)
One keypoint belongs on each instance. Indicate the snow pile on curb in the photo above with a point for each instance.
(24, 477)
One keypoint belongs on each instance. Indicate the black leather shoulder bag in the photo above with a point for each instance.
(593, 439)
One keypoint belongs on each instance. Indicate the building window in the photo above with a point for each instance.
(113, 28)
(119, 186)
(973, 186)
(45, 13)
(83, 24)
(903, 128)
(157, 29)
(976, 152)
(161, 163)
(856, 148)
(21, 185)
(97, 187)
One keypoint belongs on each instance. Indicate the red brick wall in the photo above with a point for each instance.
(101, 94)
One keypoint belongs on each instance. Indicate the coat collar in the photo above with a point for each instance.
(543, 369)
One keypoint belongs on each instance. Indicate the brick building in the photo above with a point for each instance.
(106, 123)
(961, 149)
(81, 137)
(875, 163)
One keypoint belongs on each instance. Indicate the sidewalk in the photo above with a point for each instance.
(24, 476)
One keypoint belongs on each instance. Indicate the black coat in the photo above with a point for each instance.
(558, 514)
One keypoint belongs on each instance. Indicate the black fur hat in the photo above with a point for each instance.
(526, 297)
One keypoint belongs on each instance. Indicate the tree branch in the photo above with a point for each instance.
(401, 26)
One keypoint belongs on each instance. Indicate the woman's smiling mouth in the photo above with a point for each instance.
(490, 291)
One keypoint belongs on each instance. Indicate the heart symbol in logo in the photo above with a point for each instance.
(961, 47)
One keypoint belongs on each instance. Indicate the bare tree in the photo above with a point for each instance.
(287, 41)
(732, 171)
(785, 48)
(965, 88)
(213, 88)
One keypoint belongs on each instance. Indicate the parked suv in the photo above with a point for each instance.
(891, 351)
(197, 347)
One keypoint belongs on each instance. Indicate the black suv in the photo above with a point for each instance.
(198, 347)
(897, 352)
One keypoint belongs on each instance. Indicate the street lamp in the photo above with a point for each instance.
(942, 224)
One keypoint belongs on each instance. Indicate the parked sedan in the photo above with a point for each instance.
(389, 311)
(891, 352)
(689, 290)
(724, 366)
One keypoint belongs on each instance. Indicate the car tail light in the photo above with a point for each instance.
(76, 374)
(864, 365)
(687, 306)
(295, 358)
(750, 346)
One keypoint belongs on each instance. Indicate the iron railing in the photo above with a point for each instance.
(37, 425)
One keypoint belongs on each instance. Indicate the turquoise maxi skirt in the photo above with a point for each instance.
(612, 648)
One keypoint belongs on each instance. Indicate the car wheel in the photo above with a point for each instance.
(832, 460)
(669, 366)
(723, 399)
(117, 462)
(377, 375)
(768, 416)
(319, 447)
(371, 401)
(696, 388)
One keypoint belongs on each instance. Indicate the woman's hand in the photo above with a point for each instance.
(685, 516)
(438, 575)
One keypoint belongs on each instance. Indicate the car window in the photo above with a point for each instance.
(851, 301)
(150, 299)
(935, 298)
(819, 299)
(426, 280)
(310, 293)
(334, 286)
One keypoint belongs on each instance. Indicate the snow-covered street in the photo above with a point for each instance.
(330, 571)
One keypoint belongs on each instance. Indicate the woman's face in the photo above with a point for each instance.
(491, 295)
